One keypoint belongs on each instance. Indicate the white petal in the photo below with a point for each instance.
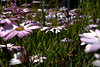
(2, 46)
(44, 28)
(41, 61)
(35, 61)
(42, 58)
(14, 62)
(82, 43)
(97, 55)
(96, 63)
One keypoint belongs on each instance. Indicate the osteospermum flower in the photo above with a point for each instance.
(10, 47)
(92, 40)
(36, 59)
(53, 29)
(21, 31)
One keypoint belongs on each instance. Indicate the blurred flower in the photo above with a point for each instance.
(26, 5)
(53, 29)
(21, 31)
(41, 10)
(7, 12)
(25, 10)
(14, 7)
(73, 12)
(9, 21)
(61, 16)
(91, 20)
(96, 62)
(10, 47)
(91, 47)
(16, 59)
(63, 8)
(92, 40)
(37, 2)
(5, 21)
(5, 0)
(90, 26)
(19, 58)
(36, 59)
(65, 40)
(97, 20)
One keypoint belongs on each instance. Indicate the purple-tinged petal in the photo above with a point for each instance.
(3, 21)
(96, 63)
(14, 19)
(25, 33)
(20, 34)
(8, 21)
(4, 33)
(92, 47)
(89, 35)
(10, 35)
(86, 40)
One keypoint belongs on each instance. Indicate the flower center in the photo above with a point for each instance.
(36, 58)
(55, 27)
(96, 36)
(19, 28)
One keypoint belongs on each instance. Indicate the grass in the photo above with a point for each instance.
(59, 54)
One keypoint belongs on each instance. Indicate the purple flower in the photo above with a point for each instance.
(14, 7)
(91, 20)
(21, 31)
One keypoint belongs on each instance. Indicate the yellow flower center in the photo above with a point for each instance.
(19, 28)
(55, 27)
(36, 58)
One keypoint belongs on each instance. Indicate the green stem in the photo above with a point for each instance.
(43, 14)
(56, 12)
